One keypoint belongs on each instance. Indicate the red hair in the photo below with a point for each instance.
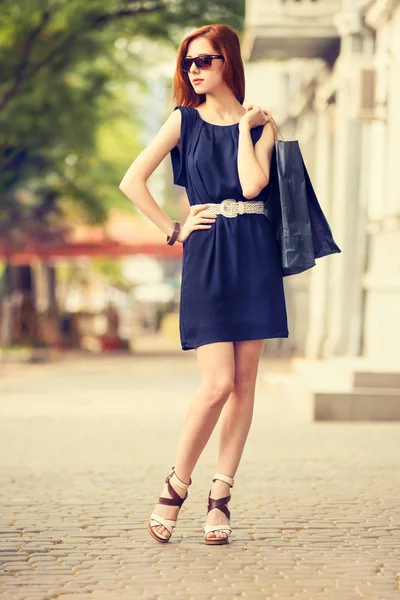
(225, 41)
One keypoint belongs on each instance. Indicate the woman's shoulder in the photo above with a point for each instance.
(188, 115)
(184, 108)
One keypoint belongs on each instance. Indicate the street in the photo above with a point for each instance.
(86, 443)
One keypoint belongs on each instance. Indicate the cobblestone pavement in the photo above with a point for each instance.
(85, 446)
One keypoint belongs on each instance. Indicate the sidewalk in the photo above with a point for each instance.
(87, 442)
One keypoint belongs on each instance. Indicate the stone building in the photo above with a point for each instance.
(338, 67)
(334, 66)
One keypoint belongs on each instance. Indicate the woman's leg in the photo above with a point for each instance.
(217, 369)
(236, 419)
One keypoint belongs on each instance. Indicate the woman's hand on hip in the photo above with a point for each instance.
(196, 220)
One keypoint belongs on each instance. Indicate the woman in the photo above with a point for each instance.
(232, 295)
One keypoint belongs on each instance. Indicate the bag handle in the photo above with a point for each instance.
(275, 129)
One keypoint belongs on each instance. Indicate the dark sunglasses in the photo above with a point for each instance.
(201, 62)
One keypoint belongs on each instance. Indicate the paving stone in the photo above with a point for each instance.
(86, 446)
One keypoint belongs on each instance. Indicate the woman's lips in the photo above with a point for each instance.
(196, 81)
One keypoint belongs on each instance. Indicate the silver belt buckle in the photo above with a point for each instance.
(227, 208)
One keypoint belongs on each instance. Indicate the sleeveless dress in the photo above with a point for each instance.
(232, 281)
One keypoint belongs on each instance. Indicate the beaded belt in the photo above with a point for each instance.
(232, 208)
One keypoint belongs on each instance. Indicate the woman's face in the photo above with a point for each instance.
(212, 77)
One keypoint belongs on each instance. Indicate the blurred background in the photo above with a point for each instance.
(85, 86)
(94, 384)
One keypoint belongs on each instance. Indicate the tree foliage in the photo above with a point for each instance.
(62, 80)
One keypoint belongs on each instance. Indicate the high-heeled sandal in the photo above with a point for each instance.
(175, 500)
(221, 504)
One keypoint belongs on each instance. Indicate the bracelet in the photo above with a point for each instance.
(172, 238)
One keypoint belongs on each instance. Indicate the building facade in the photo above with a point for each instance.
(339, 68)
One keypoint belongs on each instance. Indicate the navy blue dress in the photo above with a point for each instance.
(232, 282)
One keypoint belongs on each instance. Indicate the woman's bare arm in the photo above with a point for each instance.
(251, 176)
(133, 184)
(264, 148)
(254, 160)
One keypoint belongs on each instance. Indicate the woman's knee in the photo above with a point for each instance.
(247, 356)
(218, 390)
(245, 381)
(217, 365)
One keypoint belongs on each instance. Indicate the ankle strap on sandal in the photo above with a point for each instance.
(185, 485)
(225, 478)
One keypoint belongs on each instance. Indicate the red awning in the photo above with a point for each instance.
(121, 235)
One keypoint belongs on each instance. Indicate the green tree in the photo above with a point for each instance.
(62, 80)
